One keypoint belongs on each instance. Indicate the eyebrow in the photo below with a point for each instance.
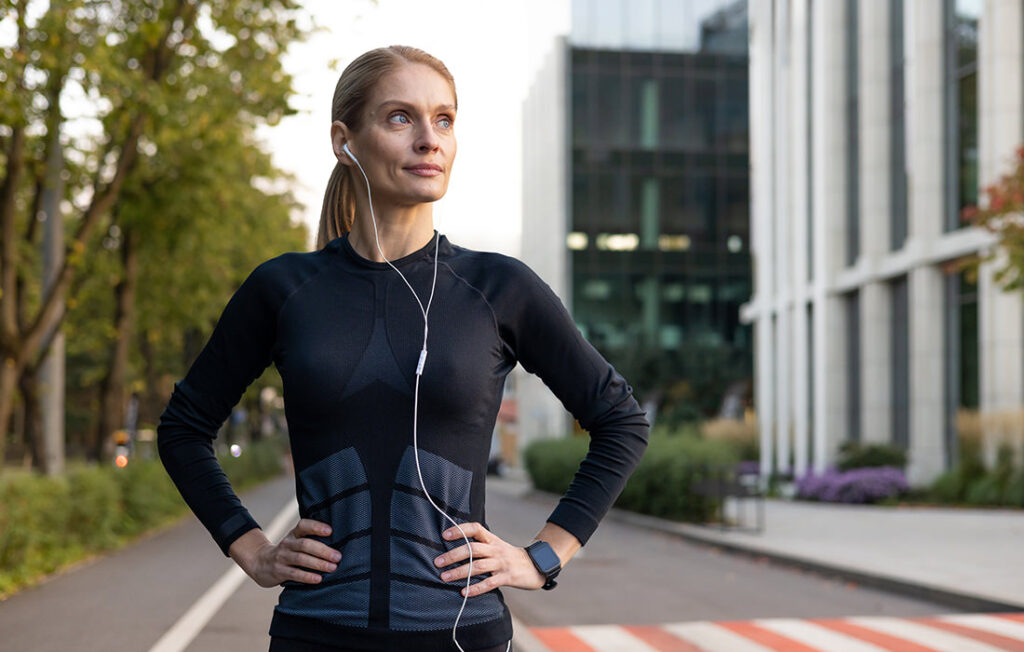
(441, 107)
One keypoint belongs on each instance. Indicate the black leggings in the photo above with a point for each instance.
(280, 644)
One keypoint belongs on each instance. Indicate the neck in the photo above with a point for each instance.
(400, 230)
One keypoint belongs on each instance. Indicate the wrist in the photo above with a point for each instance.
(245, 549)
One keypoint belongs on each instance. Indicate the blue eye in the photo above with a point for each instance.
(448, 121)
(399, 115)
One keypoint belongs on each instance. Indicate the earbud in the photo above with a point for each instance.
(348, 152)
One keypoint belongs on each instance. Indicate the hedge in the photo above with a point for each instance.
(663, 484)
(48, 522)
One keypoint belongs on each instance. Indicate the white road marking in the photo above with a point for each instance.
(992, 624)
(610, 638)
(181, 634)
(816, 636)
(932, 637)
(709, 636)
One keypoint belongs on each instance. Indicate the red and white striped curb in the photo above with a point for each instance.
(950, 633)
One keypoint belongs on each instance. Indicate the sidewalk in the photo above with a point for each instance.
(972, 559)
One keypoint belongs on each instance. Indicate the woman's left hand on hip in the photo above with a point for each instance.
(508, 564)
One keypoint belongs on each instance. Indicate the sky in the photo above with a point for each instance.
(493, 49)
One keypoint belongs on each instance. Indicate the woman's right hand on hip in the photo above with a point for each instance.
(295, 555)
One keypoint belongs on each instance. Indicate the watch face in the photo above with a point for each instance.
(545, 557)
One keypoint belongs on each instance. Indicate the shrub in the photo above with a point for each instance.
(663, 484)
(47, 522)
(866, 485)
(853, 455)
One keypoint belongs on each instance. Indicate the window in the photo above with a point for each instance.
(961, 108)
(852, 136)
(900, 352)
(853, 366)
(898, 144)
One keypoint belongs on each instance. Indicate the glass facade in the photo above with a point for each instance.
(852, 135)
(962, 357)
(898, 142)
(660, 212)
(899, 329)
(853, 400)
(961, 111)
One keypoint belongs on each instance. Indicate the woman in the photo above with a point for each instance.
(392, 550)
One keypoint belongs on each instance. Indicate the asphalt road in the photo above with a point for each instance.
(130, 599)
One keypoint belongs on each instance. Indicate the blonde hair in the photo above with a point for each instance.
(350, 95)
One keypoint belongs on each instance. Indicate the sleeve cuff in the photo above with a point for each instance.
(233, 528)
(571, 518)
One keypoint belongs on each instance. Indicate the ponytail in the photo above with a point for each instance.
(339, 207)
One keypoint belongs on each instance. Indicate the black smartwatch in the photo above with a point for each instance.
(546, 561)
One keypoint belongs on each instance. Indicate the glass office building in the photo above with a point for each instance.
(659, 219)
(636, 198)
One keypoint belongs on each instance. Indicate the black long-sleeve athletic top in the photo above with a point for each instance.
(345, 334)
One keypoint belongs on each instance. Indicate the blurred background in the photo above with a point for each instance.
(794, 226)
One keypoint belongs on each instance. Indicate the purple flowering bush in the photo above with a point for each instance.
(865, 485)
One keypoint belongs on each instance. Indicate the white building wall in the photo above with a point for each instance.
(781, 176)
(876, 180)
(828, 177)
(545, 225)
(761, 219)
(1001, 91)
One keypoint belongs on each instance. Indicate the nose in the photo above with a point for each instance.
(427, 141)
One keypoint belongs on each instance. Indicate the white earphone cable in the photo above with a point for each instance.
(419, 372)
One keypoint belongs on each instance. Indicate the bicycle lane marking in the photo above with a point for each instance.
(181, 634)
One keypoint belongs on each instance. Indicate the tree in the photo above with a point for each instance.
(158, 77)
(1003, 215)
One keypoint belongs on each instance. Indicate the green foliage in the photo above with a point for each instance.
(49, 522)
(663, 484)
(853, 455)
(1000, 216)
(990, 488)
(971, 483)
(178, 100)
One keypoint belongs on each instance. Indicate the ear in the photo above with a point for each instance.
(340, 134)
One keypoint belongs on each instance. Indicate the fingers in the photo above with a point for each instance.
(474, 529)
(462, 552)
(308, 526)
(482, 565)
(316, 549)
(300, 552)
(305, 560)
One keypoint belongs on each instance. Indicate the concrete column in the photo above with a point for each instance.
(875, 132)
(799, 180)
(545, 224)
(761, 219)
(1001, 114)
(925, 200)
(783, 264)
(829, 179)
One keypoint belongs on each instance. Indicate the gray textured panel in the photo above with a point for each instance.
(331, 476)
(415, 515)
(417, 560)
(418, 608)
(341, 604)
(355, 558)
(347, 515)
(444, 479)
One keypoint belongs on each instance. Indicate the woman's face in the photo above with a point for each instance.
(406, 143)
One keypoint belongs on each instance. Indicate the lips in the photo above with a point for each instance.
(425, 167)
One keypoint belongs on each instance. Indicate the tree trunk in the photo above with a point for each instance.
(151, 404)
(32, 427)
(112, 387)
